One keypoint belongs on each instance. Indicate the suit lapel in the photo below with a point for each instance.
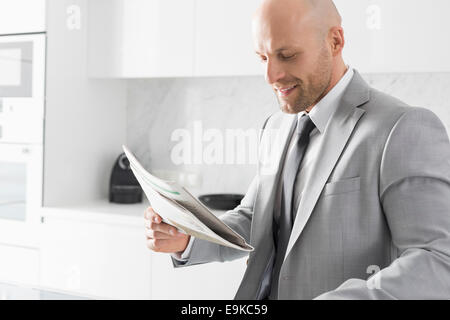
(277, 139)
(336, 135)
(272, 151)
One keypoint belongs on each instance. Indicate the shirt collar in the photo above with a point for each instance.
(324, 109)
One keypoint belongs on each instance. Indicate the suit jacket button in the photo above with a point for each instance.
(246, 262)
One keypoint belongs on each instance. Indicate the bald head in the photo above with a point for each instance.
(324, 14)
(300, 42)
(320, 15)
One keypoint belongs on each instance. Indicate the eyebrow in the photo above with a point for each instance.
(278, 50)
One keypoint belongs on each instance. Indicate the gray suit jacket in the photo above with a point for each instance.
(375, 220)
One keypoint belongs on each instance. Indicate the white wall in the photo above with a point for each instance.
(85, 119)
(157, 107)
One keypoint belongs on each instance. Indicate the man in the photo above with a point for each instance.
(359, 185)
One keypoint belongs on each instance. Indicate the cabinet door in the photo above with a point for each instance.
(396, 35)
(19, 265)
(141, 38)
(205, 282)
(22, 16)
(223, 38)
(93, 259)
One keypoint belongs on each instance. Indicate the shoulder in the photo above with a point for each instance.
(419, 128)
(384, 112)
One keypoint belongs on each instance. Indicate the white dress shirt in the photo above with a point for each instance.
(320, 115)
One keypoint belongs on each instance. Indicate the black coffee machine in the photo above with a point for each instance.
(123, 186)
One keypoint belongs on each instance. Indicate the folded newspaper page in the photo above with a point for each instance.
(181, 209)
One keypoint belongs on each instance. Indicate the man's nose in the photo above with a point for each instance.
(274, 72)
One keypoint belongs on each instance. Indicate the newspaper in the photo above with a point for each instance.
(181, 209)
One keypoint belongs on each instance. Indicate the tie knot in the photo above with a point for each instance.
(305, 126)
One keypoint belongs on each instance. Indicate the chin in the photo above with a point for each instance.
(287, 108)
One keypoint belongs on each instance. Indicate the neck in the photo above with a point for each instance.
(336, 76)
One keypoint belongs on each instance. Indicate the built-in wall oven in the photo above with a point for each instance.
(20, 181)
(22, 88)
(22, 101)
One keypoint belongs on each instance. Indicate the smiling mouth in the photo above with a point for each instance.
(286, 91)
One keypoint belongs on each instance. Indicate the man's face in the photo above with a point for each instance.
(297, 61)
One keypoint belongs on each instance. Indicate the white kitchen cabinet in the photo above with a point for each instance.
(94, 259)
(209, 281)
(396, 35)
(223, 38)
(98, 250)
(140, 38)
(22, 16)
(148, 38)
(171, 38)
(19, 265)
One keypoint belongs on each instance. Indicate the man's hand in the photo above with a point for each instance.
(162, 237)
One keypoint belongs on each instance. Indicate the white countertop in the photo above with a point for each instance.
(103, 211)
(11, 291)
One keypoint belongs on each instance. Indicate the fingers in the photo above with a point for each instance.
(151, 215)
(158, 245)
(162, 237)
(153, 222)
(151, 234)
(168, 245)
(164, 228)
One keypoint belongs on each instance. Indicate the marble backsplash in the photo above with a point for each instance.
(162, 112)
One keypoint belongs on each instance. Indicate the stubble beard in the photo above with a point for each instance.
(311, 93)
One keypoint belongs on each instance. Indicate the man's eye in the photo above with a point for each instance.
(288, 57)
(263, 59)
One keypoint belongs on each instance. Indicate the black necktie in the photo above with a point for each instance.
(287, 216)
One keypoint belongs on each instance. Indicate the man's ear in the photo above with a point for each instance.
(337, 40)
